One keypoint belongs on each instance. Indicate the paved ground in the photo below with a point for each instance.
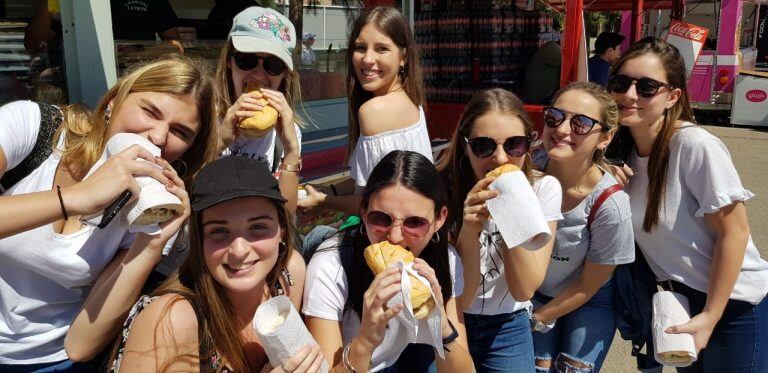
(749, 150)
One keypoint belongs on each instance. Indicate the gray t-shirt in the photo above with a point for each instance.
(608, 241)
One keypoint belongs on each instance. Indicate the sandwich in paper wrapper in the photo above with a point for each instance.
(516, 210)
(677, 350)
(155, 204)
(420, 319)
(281, 330)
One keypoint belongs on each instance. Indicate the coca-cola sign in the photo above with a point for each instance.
(688, 31)
(756, 95)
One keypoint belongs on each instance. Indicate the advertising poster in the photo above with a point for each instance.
(762, 39)
(689, 39)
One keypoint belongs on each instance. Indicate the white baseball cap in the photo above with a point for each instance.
(264, 30)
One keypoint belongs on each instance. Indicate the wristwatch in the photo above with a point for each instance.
(451, 337)
(536, 325)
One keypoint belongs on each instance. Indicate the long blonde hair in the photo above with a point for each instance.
(392, 23)
(86, 132)
(225, 97)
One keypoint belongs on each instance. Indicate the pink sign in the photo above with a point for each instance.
(756, 95)
(689, 39)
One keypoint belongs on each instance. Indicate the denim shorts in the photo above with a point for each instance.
(500, 343)
(739, 342)
(584, 335)
(57, 367)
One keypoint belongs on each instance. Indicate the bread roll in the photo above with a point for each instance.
(381, 255)
(157, 214)
(677, 356)
(262, 122)
(502, 170)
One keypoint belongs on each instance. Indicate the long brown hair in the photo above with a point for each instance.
(622, 144)
(86, 132)
(392, 23)
(194, 282)
(455, 166)
(226, 87)
(609, 111)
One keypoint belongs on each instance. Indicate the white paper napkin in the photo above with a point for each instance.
(281, 331)
(153, 193)
(517, 212)
(670, 309)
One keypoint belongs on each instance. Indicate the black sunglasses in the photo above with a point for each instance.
(580, 123)
(248, 61)
(645, 87)
(483, 147)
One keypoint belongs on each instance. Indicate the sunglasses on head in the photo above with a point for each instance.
(580, 123)
(248, 61)
(412, 226)
(484, 147)
(645, 87)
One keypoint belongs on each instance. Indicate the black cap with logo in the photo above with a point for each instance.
(233, 177)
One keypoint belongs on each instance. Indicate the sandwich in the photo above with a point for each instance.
(381, 255)
(503, 169)
(676, 356)
(157, 214)
(262, 121)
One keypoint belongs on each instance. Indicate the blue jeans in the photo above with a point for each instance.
(739, 342)
(500, 343)
(583, 336)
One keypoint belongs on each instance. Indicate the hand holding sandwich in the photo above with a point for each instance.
(376, 315)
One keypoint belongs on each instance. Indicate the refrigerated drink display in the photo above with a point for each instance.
(468, 45)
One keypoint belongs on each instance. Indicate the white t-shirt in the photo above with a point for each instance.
(259, 148)
(493, 297)
(701, 179)
(371, 149)
(326, 291)
(44, 276)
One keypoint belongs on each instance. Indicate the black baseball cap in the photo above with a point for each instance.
(233, 177)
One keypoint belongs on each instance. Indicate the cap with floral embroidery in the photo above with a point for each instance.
(264, 30)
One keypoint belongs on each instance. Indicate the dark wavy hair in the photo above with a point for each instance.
(622, 144)
(415, 172)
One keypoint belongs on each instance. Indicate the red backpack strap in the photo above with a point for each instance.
(607, 192)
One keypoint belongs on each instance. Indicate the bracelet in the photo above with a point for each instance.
(291, 167)
(333, 189)
(345, 359)
(451, 337)
(61, 202)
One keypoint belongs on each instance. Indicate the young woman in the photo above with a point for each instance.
(688, 211)
(499, 281)
(258, 51)
(385, 103)
(49, 261)
(578, 289)
(201, 319)
(345, 305)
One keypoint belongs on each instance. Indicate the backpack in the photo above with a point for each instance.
(633, 293)
(50, 120)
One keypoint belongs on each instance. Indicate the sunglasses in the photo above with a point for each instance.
(412, 226)
(646, 87)
(580, 123)
(248, 61)
(484, 147)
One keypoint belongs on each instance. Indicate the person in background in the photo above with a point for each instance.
(542, 74)
(577, 293)
(56, 272)
(143, 20)
(345, 305)
(688, 211)
(495, 130)
(307, 53)
(607, 51)
(258, 52)
(242, 254)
